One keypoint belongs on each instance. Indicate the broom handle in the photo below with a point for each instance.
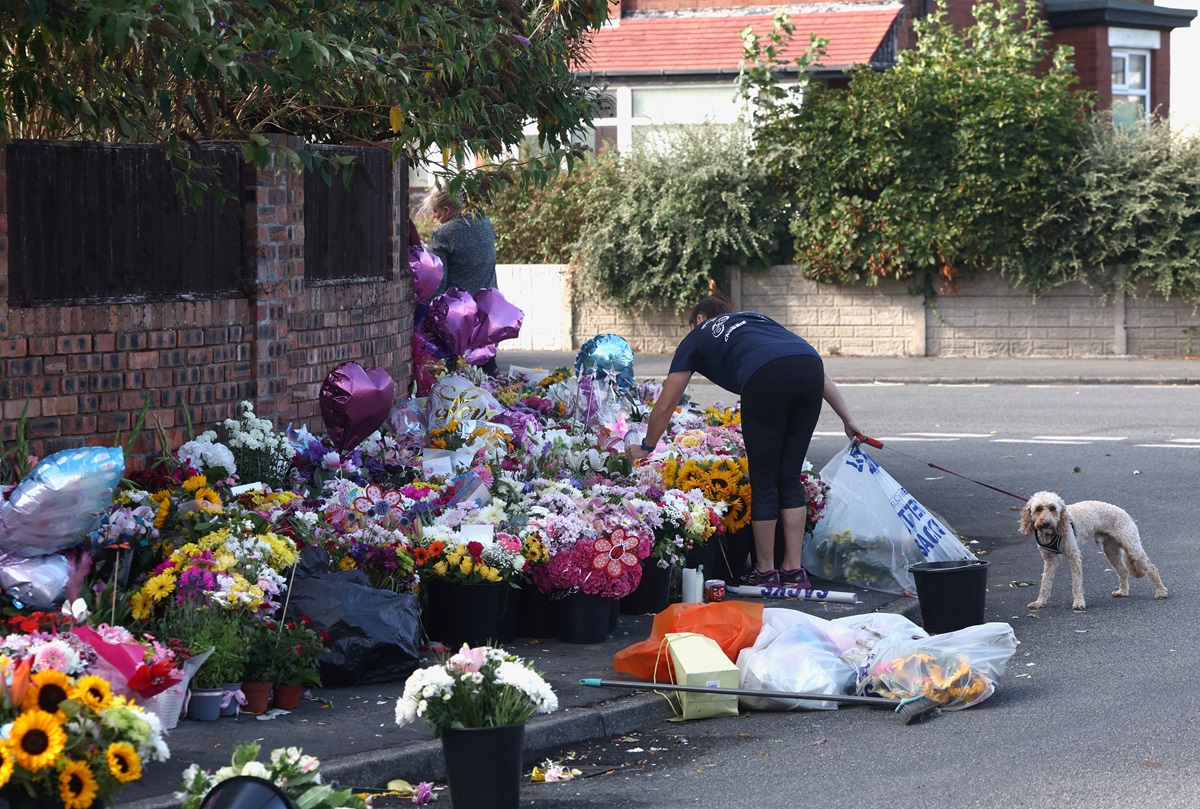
(743, 692)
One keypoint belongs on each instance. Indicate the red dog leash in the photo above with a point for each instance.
(875, 442)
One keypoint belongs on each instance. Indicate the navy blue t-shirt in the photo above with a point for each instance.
(728, 349)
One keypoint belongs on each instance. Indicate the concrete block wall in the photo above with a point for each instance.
(986, 317)
(542, 292)
(80, 373)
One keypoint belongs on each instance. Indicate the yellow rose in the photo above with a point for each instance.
(489, 573)
(466, 566)
(441, 568)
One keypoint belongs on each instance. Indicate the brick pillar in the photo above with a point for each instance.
(275, 257)
(4, 331)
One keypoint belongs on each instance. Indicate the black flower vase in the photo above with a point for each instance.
(535, 613)
(484, 766)
(652, 593)
(583, 618)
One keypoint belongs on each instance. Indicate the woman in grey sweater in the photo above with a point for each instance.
(465, 242)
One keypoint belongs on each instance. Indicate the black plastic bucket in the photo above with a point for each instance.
(951, 593)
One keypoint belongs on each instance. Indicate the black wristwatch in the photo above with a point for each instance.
(649, 448)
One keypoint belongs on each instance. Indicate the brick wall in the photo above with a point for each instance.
(80, 373)
(985, 318)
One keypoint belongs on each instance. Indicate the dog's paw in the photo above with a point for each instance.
(1036, 605)
(1120, 594)
(1161, 594)
(1079, 606)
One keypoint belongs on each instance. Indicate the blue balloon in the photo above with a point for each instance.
(607, 358)
(60, 501)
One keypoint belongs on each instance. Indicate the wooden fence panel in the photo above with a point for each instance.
(99, 222)
(346, 229)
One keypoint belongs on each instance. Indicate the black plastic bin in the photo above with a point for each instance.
(951, 593)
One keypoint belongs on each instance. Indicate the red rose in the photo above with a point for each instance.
(475, 549)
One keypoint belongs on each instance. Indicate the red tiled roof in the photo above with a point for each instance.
(703, 43)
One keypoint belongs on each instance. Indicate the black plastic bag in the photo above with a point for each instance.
(373, 633)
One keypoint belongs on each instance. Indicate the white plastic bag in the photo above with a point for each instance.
(873, 529)
(954, 669)
(794, 652)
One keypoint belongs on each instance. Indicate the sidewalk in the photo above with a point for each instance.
(353, 731)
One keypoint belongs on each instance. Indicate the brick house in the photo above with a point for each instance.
(675, 61)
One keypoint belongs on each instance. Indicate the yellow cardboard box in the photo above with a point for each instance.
(698, 660)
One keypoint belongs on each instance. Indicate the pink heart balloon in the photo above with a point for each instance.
(355, 402)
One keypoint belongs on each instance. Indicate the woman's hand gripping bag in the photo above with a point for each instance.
(873, 529)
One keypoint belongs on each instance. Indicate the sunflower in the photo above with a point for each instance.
(669, 470)
(93, 691)
(691, 476)
(77, 785)
(723, 484)
(738, 516)
(160, 586)
(37, 740)
(6, 764)
(47, 691)
(124, 762)
(194, 483)
(207, 500)
(163, 499)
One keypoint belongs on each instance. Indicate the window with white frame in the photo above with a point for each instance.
(633, 117)
(1130, 87)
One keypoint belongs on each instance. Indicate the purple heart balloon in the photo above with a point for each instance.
(427, 272)
(355, 402)
(498, 319)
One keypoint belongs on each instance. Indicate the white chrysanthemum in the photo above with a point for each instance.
(530, 683)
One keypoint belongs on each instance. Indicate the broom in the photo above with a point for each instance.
(913, 709)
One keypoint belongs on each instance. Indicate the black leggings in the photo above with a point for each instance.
(780, 407)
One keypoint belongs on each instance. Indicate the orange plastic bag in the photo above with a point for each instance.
(734, 625)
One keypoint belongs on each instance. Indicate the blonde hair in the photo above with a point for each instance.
(441, 198)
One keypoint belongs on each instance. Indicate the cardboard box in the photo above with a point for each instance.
(698, 660)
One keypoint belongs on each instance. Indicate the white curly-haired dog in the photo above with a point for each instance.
(1060, 528)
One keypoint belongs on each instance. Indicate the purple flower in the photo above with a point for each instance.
(523, 40)
(424, 793)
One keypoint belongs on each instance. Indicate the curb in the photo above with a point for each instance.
(918, 379)
(544, 736)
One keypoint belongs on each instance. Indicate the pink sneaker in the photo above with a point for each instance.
(795, 578)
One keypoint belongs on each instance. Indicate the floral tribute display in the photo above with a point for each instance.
(475, 688)
(519, 480)
(70, 739)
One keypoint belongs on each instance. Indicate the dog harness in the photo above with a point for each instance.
(1055, 541)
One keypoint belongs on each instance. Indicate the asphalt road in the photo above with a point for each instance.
(1097, 708)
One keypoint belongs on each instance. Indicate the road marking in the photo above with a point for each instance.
(951, 435)
(1169, 446)
(1080, 438)
(1033, 441)
(960, 385)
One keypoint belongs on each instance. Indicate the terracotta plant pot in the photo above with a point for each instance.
(287, 697)
(258, 697)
